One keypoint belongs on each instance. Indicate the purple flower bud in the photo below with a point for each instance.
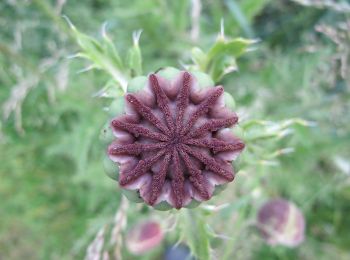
(281, 222)
(174, 143)
(144, 237)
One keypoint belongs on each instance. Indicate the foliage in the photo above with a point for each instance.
(292, 95)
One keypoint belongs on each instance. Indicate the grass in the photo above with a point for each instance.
(54, 194)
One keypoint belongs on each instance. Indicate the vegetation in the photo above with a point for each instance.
(292, 93)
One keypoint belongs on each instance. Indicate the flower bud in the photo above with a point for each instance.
(173, 143)
(144, 237)
(281, 223)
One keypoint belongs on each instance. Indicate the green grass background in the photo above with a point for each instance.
(53, 192)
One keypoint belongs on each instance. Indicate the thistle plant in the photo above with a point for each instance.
(172, 136)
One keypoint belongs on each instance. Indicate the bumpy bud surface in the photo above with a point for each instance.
(174, 145)
(281, 222)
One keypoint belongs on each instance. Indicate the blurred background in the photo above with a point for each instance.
(54, 195)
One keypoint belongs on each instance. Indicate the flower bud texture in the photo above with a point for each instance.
(174, 143)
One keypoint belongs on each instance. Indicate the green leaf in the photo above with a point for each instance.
(199, 57)
(111, 51)
(134, 59)
(221, 67)
(221, 58)
(102, 54)
(234, 48)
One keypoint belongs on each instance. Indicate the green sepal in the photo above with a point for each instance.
(203, 79)
(168, 73)
(229, 101)
(136, 84)
(111, 168)
(106, 134)
(219, 189)
(132, 195)
(239, 163)
(117, 107)
(163, 206)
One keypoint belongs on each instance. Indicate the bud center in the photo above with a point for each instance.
(175, 140)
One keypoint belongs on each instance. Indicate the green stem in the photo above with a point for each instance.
(199, 238)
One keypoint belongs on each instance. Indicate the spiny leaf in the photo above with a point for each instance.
(134, 59)
(102, 54)
(234, 48)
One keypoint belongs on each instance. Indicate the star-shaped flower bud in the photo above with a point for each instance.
(174, 145)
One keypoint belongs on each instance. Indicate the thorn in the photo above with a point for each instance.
(71, 25)
(73, 56)
(222, 29)
(104, 30)
(86, 69)
(136, 36)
